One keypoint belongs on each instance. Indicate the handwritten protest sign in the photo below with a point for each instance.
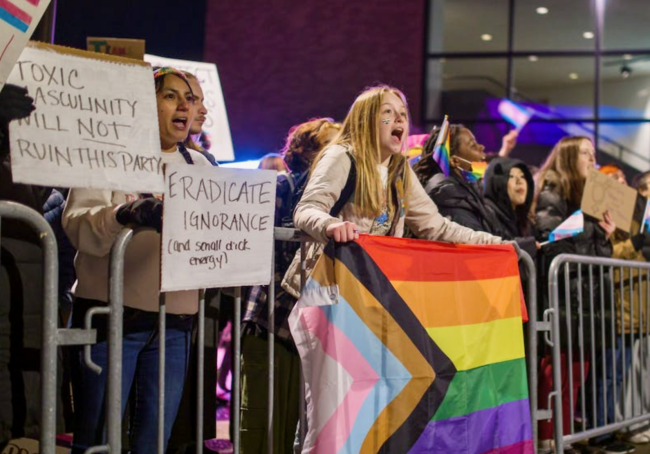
(216, 123)
(18, 19)
(217, 227)
(603, 193)
(87, 130)
(122, 47)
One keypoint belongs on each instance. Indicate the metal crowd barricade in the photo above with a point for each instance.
(114, 378)
(115, 310)
(280, 234)
(52, 335)
(588, 307)
(292, 235)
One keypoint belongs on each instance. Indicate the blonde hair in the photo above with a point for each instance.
(360, 133)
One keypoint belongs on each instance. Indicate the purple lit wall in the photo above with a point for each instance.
(284, 62)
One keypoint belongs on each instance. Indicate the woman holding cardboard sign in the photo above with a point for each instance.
(561, 183)
(92, 220)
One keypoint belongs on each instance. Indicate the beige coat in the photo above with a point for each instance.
(323, 190)
(623, 249)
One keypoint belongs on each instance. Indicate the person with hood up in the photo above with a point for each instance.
(508, 195)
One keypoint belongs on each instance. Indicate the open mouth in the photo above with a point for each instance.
(398, 133)
(180, 123)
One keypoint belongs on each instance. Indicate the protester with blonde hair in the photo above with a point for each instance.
(386, 194)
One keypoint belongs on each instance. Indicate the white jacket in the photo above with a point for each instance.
(89, 220)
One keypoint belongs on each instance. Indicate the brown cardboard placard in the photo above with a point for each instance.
(121, 47)
(86, 54)
(603, 193)
(28, 446)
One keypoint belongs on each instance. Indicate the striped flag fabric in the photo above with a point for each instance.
(17, 14)
(645, 223)
(441, 149)
(514, 114)
(414, 346)
(478, 170)
(572, 226)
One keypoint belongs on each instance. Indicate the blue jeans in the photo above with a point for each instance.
(608, 383)
(139, 377)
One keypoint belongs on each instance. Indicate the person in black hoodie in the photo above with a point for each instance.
(456, 196)
(508, 194)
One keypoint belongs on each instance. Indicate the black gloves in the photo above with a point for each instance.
(14, 103)
(144, 213)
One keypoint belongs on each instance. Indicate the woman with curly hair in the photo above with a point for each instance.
(303, 144)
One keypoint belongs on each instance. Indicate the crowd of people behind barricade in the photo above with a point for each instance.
(335, 181)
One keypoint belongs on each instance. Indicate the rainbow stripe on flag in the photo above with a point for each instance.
(402, 353)
(478, 170)
(441, 149)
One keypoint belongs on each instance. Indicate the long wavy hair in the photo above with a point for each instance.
(306, 140)
(360, 134)
(563, 161)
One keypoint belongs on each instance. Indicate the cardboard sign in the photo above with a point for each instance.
(603, 193)
(216, 123)
(18, 20)
(87, 130)
(217, 227)
(129, 48)
(28, 446)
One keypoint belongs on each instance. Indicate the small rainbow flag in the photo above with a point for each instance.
(441, 149)
(570, 227)
(401, 353)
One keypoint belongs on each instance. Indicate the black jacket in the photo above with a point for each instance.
(497, 203)
(459, 201)
(552, 209)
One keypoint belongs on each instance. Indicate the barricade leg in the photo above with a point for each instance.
(50, 338)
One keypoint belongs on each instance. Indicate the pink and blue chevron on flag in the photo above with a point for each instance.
(572, 226)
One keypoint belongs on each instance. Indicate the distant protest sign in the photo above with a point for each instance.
(122, 47)
(603, 193)
(18, 19)
(217, 227)
(216, 123)
(95, 123)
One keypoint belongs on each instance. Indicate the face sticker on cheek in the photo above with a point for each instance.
(386, 121)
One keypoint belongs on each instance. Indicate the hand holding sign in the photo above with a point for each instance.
(603, 194)
(86, 130)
